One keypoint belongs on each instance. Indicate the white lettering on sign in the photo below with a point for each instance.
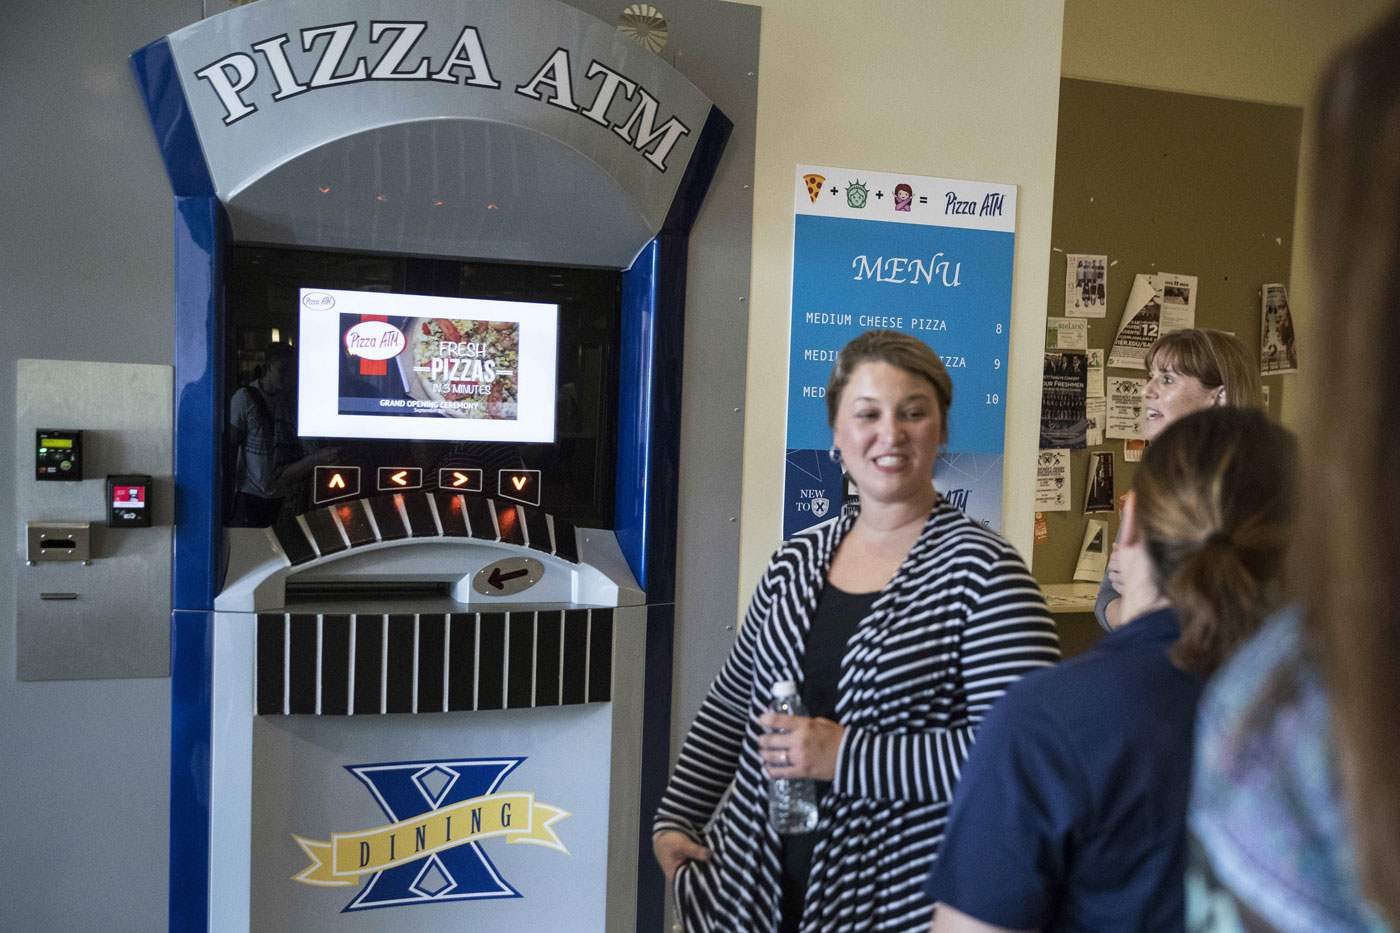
(232, 78)
(899, 270)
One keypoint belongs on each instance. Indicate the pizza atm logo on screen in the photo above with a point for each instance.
(431, 850)
(318, 301)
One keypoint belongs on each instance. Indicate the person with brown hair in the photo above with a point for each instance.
(1187, 370)
(1071, 812)
(902, 624)
(1298, 734)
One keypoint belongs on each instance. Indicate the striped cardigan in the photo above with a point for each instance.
(958, 623)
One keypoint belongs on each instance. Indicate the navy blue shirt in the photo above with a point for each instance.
(1070, 812)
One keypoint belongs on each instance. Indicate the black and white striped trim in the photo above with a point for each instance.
(371, 664)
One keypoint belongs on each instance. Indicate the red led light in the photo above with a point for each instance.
(323, 190)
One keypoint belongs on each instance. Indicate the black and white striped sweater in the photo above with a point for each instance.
(958, 623)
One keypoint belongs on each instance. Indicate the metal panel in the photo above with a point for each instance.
(329, 162)
(114, 618)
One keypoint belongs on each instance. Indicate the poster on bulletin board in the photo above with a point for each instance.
(931, 257)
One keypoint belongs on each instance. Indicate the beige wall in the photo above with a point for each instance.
(1265, 50)
(969, 89)
(953, 88)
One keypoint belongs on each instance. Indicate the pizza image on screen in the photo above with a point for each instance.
(814, 185)
(463, 368)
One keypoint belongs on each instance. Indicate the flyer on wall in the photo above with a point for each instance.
(1098, 496)
(1096, 414)
(1094, 388)
(1178, 302)
(1062, 416)
(1086, 285)
(1052, 481)
(1125, 407)
(1093, 552)
(1139, 326)
(1277, 353)
(931, 257)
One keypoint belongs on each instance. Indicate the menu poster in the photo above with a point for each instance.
(1062, 419)
(930, 257)
(1139, 327)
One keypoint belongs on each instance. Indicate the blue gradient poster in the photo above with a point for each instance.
(928, 256)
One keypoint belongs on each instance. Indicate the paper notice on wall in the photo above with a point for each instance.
(1098, 496)
(1062, 421)
(1133, 449)
(1265, 389)
(1086, 285)
(1042, 530)
(1096, 413)
(1066, 334)
(1139, 326)
(1093, 553)
(1178, 302)
(1052, 481)
(1094, 387)
(1124, 407)
(1277, 351)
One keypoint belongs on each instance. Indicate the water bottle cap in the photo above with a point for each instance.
(785, 688)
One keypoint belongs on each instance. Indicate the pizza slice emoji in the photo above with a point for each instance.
(814, 185)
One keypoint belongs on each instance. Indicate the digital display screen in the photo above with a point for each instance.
(418, 367)
(129, 497)
(55, 442)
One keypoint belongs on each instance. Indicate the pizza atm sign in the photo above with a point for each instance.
(281, 67)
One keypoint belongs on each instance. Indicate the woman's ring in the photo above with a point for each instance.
(785, 757)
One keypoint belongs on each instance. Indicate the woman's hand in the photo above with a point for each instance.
(804, 748)
(674, 849)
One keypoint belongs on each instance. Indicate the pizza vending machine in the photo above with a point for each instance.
(429, 282)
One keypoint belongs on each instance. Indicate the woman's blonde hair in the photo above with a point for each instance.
(1215, 358)
(1214, 500)
(1351, 569)
(899, 350)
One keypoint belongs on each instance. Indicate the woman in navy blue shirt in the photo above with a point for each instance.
(1070, 814)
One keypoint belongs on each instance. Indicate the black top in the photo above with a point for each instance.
(834, 623)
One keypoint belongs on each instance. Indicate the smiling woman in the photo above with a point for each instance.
(902, 624)
(1188, 370)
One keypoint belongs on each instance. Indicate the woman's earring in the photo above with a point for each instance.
(834, 455)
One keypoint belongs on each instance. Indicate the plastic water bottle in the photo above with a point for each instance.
(792, 802)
